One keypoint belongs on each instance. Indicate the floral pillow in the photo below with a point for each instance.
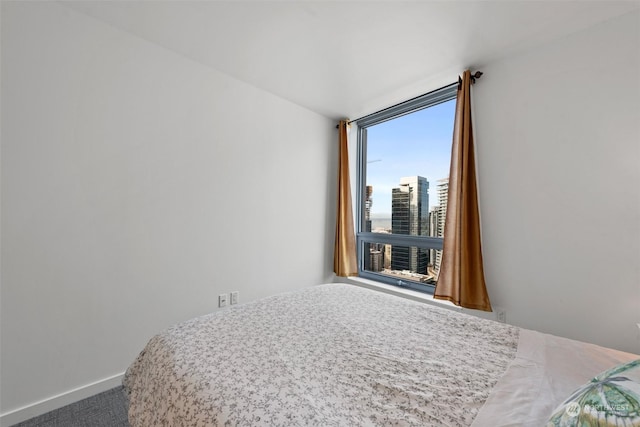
(610, 399)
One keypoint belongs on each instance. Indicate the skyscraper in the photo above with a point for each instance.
(443, 193)
(410, 215)
(434, 221)
(373, 252)
(368, 202)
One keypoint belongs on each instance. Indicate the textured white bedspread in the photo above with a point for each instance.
(331, 355)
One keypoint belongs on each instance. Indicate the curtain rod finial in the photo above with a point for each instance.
(475, 76)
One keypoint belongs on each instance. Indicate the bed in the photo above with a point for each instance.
(341, 355)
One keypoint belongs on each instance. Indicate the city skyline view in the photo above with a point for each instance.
(410, 215)
(407, 170)
(416, 144)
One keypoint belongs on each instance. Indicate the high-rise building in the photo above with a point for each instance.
(434, 220)
(443, 192)
(368, 202)
(410, 215)
(368, 247)
(377, 260)
(386, 255)
(441, 213)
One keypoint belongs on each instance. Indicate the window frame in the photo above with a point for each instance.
(421, 102)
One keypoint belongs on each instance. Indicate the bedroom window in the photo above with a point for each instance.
(404, 154)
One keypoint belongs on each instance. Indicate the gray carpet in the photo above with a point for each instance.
(108, 409)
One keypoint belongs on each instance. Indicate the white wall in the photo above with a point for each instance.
(558, 149)
(558, 135)
(138, 185)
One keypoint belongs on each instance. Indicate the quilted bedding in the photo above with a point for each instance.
(329, 355)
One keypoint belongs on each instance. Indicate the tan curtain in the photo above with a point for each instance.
(461, 278)
(344, 256)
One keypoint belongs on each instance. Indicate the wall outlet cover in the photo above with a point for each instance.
(222, 300)
(501, 315)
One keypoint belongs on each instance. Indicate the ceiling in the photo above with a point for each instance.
(347, 59)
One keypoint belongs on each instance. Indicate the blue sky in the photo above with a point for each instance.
(415, 144)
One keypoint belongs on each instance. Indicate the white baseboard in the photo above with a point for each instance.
(58, 401)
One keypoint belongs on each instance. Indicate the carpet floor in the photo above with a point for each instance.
(107, 409)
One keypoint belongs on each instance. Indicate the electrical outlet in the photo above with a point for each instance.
(222, 300)
(501, 315)
(234, 298)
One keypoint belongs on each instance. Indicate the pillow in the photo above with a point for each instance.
(610, 399)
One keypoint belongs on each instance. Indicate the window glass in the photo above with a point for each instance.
(404, 164)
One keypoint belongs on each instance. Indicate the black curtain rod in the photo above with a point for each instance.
(474, 76)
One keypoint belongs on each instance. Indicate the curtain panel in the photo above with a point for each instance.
(344, 256)
(461, 279)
